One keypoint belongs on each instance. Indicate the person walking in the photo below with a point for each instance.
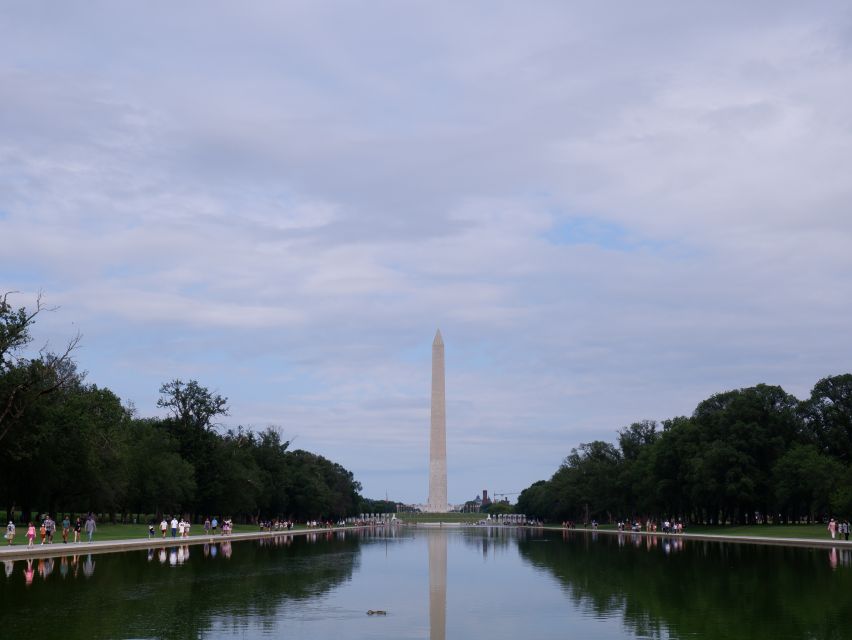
(78, 528)
(174, 524)
(90, 526)
(181, 527)
(10, 532)
(66, 527)
(50, 526)
(832, 528)
(206, 526)
(164, 526)
(30, 535)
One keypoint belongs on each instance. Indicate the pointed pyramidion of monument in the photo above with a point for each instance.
(438, 341)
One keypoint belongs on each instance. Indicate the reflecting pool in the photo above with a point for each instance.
(461, 583)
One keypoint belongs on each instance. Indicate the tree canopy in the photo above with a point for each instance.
(66, 444)
(748, 455)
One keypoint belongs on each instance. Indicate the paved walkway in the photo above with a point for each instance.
(19, 550)
(718, 537)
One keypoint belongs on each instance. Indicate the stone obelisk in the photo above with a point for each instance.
(438, 433)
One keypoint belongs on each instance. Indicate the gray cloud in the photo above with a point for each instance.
(611, 212)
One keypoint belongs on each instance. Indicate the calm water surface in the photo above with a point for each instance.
(471, 583)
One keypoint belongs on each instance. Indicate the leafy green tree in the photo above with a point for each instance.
(805, 481)
(24, 381)
(192, 406)
(159, 480)
(497, 508)
(635, 480)
(742, 434)
(269, 452)
(536, 500)
(828, 416)
(192, 409)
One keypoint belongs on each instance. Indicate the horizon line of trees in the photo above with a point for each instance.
(71, 447)
(752, 455)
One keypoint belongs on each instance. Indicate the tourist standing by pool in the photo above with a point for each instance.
(10, 532)
(50, 526)
(30, 535)
(206, 526)
(90, 526)
(164, 526)
(832, 528)
(214, 524)
(66, 527)
(174, 526)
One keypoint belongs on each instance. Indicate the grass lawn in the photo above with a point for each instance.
(441, 517)
(809, 531)
(767, 531)
(107, 531)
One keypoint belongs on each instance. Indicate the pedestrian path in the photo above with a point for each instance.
(18, 551)
(719, 537)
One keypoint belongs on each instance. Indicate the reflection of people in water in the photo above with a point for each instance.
(214, 551)
(29, 572)
(45, 568)
(9, 565)
(226, 549)
(88, 566)
(162, 555)
(63, 567)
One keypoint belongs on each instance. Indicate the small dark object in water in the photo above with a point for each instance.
(371, 612)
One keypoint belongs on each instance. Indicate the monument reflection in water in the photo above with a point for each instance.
(437, 546)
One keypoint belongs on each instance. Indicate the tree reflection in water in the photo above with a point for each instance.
(172, 591)
(690, 588)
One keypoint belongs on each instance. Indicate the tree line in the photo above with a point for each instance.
(72, 446)
(746, 456)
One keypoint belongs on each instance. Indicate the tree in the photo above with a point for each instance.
(23, 381)
(191, 405)
(828, 416)
(159, 480)
(805, 481)
(193, 408)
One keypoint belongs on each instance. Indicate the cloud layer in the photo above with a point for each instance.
(611, 212)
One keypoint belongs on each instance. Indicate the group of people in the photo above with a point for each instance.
(275, 525)
(839, 529)
(180, 528)
(47, 530)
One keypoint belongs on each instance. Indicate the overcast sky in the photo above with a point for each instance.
(611, 210)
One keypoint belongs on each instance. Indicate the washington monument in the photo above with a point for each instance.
(438, 433)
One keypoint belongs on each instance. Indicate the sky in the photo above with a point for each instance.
(611, 210)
